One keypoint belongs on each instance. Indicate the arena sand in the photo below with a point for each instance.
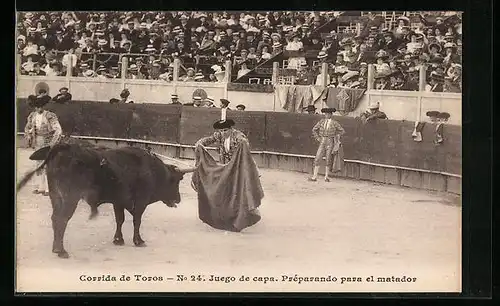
(344, 228)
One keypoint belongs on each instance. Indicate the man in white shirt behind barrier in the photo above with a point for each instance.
(327, 132)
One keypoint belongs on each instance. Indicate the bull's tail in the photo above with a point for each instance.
(45, 154)
(28, 176)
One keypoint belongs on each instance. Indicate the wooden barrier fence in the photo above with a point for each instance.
(381, 151)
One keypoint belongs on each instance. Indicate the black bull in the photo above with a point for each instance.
(129, 178)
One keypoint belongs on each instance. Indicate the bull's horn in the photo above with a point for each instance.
(187, 170)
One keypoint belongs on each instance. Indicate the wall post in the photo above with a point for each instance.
(124, 69)
(324, 74)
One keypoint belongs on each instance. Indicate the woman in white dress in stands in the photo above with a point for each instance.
(295, 45)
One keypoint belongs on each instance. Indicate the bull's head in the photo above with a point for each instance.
(171, 195)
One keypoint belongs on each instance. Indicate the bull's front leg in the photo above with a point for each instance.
(137, 216)
(120, 218)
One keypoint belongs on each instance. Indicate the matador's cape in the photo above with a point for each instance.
(228, 195)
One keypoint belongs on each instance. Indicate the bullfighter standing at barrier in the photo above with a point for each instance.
(229, 192)
(42, 129)
(327, 132)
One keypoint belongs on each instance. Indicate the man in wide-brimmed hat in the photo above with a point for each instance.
(175, 99)
(327, 132)
(373, 113)
(226, 138)
(451, 55)
(436, 82)
(310, 109)
(349, 78)
(42, 129)
(63, 96)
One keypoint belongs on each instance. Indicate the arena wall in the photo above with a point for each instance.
(398, 105)
(381, 151)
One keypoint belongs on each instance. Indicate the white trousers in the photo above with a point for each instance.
(41, 183)
(41, 179)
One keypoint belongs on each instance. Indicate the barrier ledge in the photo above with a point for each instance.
(178, 83)
(403, 93)
(354, 169)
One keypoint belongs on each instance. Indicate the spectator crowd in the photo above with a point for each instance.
(397, 53)
(94, 44)
(202, 41)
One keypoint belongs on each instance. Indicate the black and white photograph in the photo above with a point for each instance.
(238, 151)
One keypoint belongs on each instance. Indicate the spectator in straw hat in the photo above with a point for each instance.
(322, 56)
(132, 72)
(114, 73)
(154, 70)
(310, 109)
(63, 96)
(349, 78)
(403, 22)
(434, 48)
(208, 102)
(240, 107)
(199, 77)
(373, 113)
(197, 101)
(175, 99)
(37, 70)
(451, 54)
(436, 82)
(42, 129)
(190, 74)
(102, 72)
(277, 48)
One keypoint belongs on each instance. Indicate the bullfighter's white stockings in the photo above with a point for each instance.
(43, 186)
(315, 172)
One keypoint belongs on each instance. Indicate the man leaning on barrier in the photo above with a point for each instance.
(373, 113)
(327, 132)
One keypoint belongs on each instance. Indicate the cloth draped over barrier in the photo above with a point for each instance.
(344, 100)
(294, 98)
(228, 195)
